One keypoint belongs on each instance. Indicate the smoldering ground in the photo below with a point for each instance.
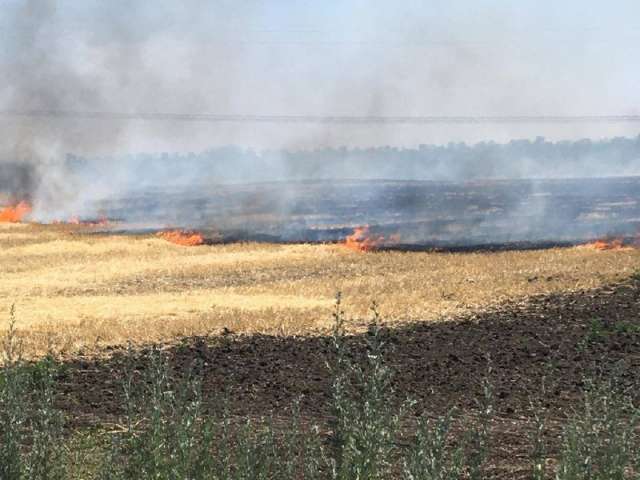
(254, 58)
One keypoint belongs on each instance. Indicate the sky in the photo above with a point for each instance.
(471, 57)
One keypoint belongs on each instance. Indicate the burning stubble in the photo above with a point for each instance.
(84, 290)
(184, 238)
(79, 282)
(15, 214)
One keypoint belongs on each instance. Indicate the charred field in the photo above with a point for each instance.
(496, 280)
(267, 258)
(409, 214)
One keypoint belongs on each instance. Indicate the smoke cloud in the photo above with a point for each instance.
(291, 58)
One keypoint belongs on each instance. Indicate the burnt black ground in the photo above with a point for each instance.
(560, 338)
(422, 213)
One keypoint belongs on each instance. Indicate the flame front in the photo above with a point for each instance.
(15, 213)
(613, 244)
(362, 240)
(180, 237)
(75, 220)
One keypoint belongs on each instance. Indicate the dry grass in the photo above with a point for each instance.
(76, 290)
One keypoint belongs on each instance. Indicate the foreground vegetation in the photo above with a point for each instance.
(169, 432)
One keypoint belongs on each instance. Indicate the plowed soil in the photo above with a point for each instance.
(559, 337)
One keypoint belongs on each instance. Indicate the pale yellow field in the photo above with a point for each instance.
(74, 290)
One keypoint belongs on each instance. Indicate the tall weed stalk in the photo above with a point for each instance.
(30, 425)
(601, 442)
(365, 417)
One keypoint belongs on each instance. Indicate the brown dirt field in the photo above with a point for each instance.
(75, 290)
(439, 364)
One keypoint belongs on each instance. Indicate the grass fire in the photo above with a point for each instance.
(612, 244)
(319, 240)
(361, 240)
(270, 322)
(15, 213)
(101, 299)
(184, 238)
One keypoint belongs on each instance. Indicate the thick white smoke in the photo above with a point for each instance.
(291, 58)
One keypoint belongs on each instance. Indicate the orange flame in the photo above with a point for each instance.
(181, 237)
(16, 213)
(75, 220)
(361, 240)
(606, 244)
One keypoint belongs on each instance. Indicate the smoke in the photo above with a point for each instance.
(42, 71)
(288, 58)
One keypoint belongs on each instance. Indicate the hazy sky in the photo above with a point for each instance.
(472, 57)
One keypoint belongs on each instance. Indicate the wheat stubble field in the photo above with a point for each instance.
(76, 290)
(253, 322)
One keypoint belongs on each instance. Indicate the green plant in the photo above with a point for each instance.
(478, 436)
(30, 425)
(168, 433)
(46, 456)
(538, 445)
(165, 434)
(431, 457)
(601, 442)
(597, 332)
(13, 417)
(600, 330)
(364, 423)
